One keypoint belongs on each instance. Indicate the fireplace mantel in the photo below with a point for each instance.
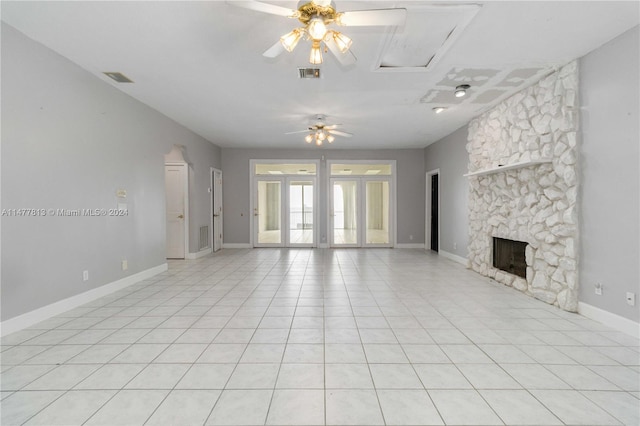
(513, 166)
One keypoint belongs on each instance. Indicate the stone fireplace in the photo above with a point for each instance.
(523, 186)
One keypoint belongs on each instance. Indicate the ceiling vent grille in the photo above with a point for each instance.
(118, 76)
(309, 72)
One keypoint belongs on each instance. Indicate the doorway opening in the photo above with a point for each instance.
(432, 210)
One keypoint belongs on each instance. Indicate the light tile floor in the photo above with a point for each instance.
(315, 337)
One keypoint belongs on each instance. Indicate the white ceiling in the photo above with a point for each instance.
(201, 63)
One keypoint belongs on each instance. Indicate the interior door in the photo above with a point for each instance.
(268, 215)
(217, 210)
(175, 188)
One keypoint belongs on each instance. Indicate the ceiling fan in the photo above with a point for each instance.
(316, 15)
(319, 131)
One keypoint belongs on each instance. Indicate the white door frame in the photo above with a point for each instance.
(427, 209)
(215, 194)
(185, 175)
(253, 187)
(393, 191)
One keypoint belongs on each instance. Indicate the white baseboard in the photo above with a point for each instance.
(323, 245)
(614, 321)
(198, 255)
(236, 245)
(410, 246)
(459, 259)
(37, 315)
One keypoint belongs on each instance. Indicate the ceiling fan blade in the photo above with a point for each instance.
(333, 126)
(265, 8)
(298, 131)
(339, 133)
(387, 17)
(346, 59)
(274, 50)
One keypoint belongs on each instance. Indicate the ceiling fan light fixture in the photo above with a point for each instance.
(321, 135)
(317, 28)
(315, 56)
(318, 142)
(330, 138)
(461, 90)
(290, 40)
(342, 41)
(308, 138)
(438, 110)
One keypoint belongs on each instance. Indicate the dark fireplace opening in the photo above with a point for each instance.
(508, 255)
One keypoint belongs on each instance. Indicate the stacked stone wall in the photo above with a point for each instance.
(535, 203)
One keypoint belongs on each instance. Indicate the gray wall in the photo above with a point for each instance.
(70, 140)
(609, 161)
(449, 154)
(410, 184)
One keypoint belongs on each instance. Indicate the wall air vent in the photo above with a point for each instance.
(118, 77)
(309, 72)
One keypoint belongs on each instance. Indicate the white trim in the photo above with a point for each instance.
(199, 254)
(612, 320)
(236, 245)
(37, 315)
(410, 246)
(459, 259)
(323, 245)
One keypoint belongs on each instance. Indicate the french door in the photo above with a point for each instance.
(284, 212)
(360, 212)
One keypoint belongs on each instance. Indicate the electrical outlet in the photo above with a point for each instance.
(411, 237)
(631, 299)
(455, 246)
(599, 289)
(85, 275)
(125, 265)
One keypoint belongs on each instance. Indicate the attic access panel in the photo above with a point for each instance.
(428, 33)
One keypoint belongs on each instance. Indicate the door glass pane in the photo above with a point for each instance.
(377, 213)
(269, 214)
(345, 214)
(301, 213)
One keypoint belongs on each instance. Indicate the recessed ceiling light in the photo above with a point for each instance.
(438, 110)
(461, 90)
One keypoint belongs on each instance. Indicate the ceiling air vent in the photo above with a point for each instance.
(309, 72)
(119, 77)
